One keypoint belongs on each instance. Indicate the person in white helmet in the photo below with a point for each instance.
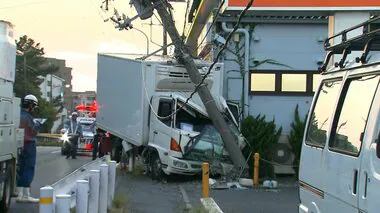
(75, 129)
(27, 158)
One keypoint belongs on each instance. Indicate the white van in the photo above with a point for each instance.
(340, 159)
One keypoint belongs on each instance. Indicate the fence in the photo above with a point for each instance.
(92, 193)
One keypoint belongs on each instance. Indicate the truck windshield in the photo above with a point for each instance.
(208, 145)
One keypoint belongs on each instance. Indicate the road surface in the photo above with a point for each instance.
(143, 195)
(51, 166)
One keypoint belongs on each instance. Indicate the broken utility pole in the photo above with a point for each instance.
(183, 56)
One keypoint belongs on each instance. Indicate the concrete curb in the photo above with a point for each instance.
(210, 205)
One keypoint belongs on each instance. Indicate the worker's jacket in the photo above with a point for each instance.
(31, 128)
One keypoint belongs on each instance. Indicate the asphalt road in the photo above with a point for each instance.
(146, 196)
(51, 166)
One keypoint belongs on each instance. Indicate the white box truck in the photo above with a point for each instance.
(135, 96)
(11, 137)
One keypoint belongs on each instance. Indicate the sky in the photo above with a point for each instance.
(75, 30)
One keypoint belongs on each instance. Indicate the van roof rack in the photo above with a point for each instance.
(369, 40)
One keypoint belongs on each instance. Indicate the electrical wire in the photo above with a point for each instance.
(210, 68)
(213, 23)
(21, 5)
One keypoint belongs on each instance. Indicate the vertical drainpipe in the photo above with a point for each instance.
(246, 64)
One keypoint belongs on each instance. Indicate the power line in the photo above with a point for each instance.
(212, 65)
(25, 4)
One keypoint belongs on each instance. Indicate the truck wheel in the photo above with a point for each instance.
(5, 202)
(156, 167)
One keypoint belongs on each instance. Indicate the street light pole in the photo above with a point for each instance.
(147, 39)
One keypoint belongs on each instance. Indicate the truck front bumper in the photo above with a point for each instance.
(182, 167)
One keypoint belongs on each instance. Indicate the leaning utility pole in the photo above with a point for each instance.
(183, 56)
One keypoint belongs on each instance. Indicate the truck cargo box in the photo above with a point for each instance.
(120, 98)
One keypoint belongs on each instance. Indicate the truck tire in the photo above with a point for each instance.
(156, 166)
(5, 201)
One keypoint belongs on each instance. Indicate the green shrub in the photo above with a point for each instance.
(262, 137)
(296, 136)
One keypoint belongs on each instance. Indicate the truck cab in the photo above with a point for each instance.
(187, 138)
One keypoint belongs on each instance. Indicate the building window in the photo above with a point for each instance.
(274, 82)
(263, 82)
(293, 83)
(48, 94)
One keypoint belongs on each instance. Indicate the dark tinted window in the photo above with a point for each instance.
(321, 116)
(352, 114)
(165, 108)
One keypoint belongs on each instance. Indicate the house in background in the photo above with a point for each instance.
(53, 88)
(291, 33)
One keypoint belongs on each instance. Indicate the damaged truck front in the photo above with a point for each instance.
(143, 105)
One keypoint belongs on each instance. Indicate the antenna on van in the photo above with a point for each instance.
(369, 40)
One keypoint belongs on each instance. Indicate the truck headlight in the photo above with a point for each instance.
(179, 164)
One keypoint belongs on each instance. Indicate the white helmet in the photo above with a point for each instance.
(31, 99)
(74, 113)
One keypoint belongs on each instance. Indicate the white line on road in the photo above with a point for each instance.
(53, 152)
(185, 198)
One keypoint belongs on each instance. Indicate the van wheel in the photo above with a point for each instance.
(156, 167)
(5, 202)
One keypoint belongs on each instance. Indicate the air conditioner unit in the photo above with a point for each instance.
(283, 155)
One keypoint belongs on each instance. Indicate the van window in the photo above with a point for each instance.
(320, 119)
(352, 113)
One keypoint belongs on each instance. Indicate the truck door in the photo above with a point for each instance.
(369, 181)
(161, 129)
(235, 110)
(342, 159)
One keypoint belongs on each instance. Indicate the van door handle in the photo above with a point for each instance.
(355, 182)
(155, 132)
(366, 180)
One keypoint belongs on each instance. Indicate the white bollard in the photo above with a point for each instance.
(93, 205)
(62, 203)
(111, 182)
(46, 199)
(82, 196)
(131, 164)
(103, 192)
